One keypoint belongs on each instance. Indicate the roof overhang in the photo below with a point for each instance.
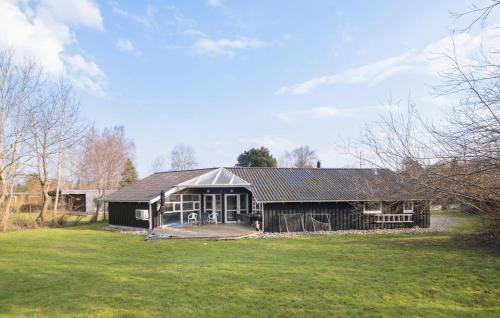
(350, 200)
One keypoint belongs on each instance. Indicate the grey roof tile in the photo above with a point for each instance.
(279, 184)
(150, 187)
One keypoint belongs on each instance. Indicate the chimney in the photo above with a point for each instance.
(318, 164)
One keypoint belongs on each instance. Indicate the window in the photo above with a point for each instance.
(408, 207)
(187, 206)
(174, 198)
(243, 203)
(256, 207)
(179, 206)
(372, 207)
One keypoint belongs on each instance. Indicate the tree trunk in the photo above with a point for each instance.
(98, 205)
(5, 213)
(46, 202)
(54, 211)
(5, 220)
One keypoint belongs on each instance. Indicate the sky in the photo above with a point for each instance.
(225, 76)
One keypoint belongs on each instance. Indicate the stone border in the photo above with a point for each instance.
(414, 230)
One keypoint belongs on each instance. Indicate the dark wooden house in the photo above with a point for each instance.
(278, 199)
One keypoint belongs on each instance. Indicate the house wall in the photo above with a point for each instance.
(123, 213)
(90, 204)
(342, 215)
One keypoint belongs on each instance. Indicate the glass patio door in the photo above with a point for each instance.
(232, 208)
(212, 203)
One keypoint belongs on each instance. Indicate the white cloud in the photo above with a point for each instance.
(42, 33)
(126, 46)
(328, 112)
(85, 74)
(77, 12)
(313, 113)
(424, 61)
(224, 47)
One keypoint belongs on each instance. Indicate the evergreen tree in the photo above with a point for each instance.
(129, 174)
(256, 158)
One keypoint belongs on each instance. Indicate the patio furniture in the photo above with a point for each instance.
(212, 217)
(193, 219)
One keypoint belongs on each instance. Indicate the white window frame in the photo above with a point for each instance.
(412, 207)
(236, 195)
(178, 206)
(379, 211)
(243, 209)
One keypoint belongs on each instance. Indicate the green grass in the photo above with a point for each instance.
(85, 271)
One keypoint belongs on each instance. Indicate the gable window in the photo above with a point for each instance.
(408, 207)
(372, 207)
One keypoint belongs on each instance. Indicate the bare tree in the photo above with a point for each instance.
(70, 131)
(18, 86)
(103, 159)
(158, 164)
(460, 157)
(479, 14)
(54, 126)
(300, 157)
(183, 157)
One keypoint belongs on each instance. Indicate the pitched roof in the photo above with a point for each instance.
(314, 184)
(150, 187)
(270, 184)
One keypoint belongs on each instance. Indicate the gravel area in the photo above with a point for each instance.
(439, 223)
(126, 230)
(445, 222)
(349, 232)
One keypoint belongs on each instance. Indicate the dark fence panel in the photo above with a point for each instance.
(342, 216)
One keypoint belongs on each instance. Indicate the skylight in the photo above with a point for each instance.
(216, 178)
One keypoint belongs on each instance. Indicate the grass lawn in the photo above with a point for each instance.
(85, 271)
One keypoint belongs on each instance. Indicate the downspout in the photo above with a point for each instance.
(263, 229)
(150, 218)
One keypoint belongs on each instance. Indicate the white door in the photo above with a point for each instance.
(212, 203)
(231, 208)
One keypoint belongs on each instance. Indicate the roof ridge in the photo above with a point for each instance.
(197, 169)
(305, 168)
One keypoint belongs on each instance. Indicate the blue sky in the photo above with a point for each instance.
(224, 76)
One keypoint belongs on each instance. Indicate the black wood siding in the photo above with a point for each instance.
(123, 213)
(343, 215)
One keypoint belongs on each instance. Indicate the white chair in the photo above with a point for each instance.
(212, 217)
(192, 218)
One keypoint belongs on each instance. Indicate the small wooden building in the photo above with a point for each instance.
(77, 200)
(278, 199)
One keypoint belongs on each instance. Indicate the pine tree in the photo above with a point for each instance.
(129, 174)
(256, 158)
